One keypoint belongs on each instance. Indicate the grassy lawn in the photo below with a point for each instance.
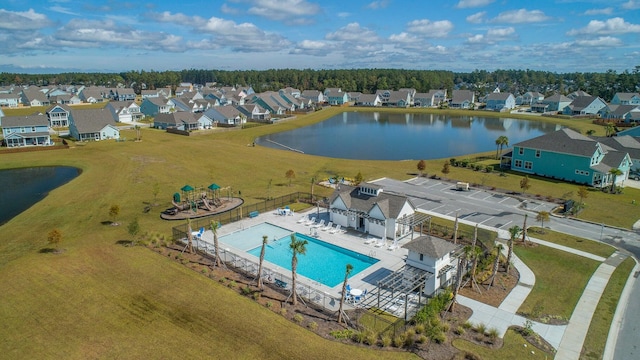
(560, 280)
(101, 300)
(601, 322)
(513, 348)
(590, 246)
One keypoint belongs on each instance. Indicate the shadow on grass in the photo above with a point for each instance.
(50, 251)
(124, 242)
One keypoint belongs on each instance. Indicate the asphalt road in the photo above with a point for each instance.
(503, 211)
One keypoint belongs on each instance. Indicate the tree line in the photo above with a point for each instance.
(604, 84)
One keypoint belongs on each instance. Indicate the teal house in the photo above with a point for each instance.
(570, 156)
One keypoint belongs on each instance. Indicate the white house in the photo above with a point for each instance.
(436, 256)
(368, 209)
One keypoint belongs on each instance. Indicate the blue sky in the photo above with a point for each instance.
(457, 35)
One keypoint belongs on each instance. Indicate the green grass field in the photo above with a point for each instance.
(101, 300)
(590, 246)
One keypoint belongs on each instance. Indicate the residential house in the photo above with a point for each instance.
(436, 256)
(1, 116)
(553, 103)
(10, 100)
(227, 115)
(462, 99)
(31, 130)
(32, 96)
(368, 100)
(624, 143)
(335, 96)
(93, 125)
(500, 101)
(366, 208)
(424, 99)
(570, 156)
(66, 99)
(255, 113)
(125, 111)
(181, 120)
(626, 99)
(58, 115)
(400, 98)
(154, 106)
(584, 105)
(619, 113)
(315, 96)
(150, 93)
(291, 91)
(529, 98)
(266, 101)
(188, 104)
(577, 93)
(123, 94)
(94, 94)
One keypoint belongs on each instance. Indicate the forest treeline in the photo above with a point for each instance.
(604, 84)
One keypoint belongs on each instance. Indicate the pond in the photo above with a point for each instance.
(393, 136)
(21, 188)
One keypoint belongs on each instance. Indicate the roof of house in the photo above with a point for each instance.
(367, 98)
(626, 96)
(176, 118)
(92, 120)
(624, 143)
(556, 98)
(158, 101)
(620, 110)
(498, 96)
(460, 96)
(578, 93)
(28, 120)
(228, 111)
(390, 204)
(431, 246)
(582, 102)
(562, 141)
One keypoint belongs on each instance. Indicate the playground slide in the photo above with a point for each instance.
(207, 205)
(181, 207)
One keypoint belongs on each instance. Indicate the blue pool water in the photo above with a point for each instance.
(248, 238)
(323, 262)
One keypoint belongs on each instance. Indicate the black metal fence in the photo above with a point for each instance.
(245, 211)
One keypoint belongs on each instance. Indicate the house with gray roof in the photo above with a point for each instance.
(619, 113)
(624, 143)
(125, 111)
(315, 96)
(32, 96)
(31, 130)
(368, 100)
(181, 120)
(570, 156)
(10, 100)
(58, 115)
(462, 99)
(255, 113)
(500, 101)
(93, 125)
(626, 99)
(94, 94)
(584, 105)
(227, 115)
(436, 256)
(153, 106)
(367, 208)
(553, 103)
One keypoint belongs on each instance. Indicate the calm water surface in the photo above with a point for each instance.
(386, 136)
(21, 188)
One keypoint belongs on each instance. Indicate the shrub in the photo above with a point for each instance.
(440, 338)
(445, 327)
(488, 169)
(256, 296)
(467, 325)
(371, 338)
(481, 328)
(269, 304)
(453, 162)
(492, 333)
(422, 339)
(398, 341)
(385, 340)
(232, 284)
(246, 290)
(419, 328)
(283, 312)
(342, 334)
(459, 330)
(298, 318)
(313, 326)
(409, 340)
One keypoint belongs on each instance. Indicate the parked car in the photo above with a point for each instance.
(634, 175)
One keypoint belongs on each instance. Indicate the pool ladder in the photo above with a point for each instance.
(372, 253)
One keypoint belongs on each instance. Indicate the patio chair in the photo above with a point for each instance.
(381, 243)
(319, 225)
(393, 247)
(370, 240)
(364, 294)
(302, 219)
(336, 229)
(311, 221)
(328, 227)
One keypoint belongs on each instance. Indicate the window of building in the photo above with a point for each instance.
(421, 257)
(521, 151)
(518, 163)
(537, 153)
(528, 165)
(33, 129)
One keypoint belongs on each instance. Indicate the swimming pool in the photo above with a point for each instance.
(323, 262)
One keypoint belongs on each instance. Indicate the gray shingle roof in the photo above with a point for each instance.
(92, 120)
(431, 246)
(28, 120)
(565, 141)
(390, 204)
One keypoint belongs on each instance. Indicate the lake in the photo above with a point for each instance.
(392, 136)
(21, 188)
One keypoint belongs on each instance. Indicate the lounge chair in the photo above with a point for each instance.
(336, 229)
(304, 218)
(370, 240)
(328, 227)
(319, 225)
(311, 221)
(381, 243)
(393, 247)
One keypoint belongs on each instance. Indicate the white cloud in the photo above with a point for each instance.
(432, 29)
(476, 18)
(283, 9)
(343, 14)
(353, 32)
(615, 25)
(463, 4)
(493, 36)
(23, 20)
(605, 11)
(226, 9)
(177, 18)
(602, 41)
(631, 5)
(379, 4)
(520, 16)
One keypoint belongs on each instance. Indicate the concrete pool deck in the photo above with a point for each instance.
(388, 260)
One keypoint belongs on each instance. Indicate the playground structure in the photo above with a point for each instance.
(193, 202)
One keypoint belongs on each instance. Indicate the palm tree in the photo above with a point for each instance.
(265, 239)
(609, 129)
(514, 231)
(501, 142)
(476, 252)
(344, 291)
(498, 249)
(615, 172)
(297, 247)
(214, 229)
(542, 217)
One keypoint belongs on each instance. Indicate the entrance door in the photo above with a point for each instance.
(361, 223)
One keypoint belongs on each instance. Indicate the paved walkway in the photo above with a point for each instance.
(567, 339)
